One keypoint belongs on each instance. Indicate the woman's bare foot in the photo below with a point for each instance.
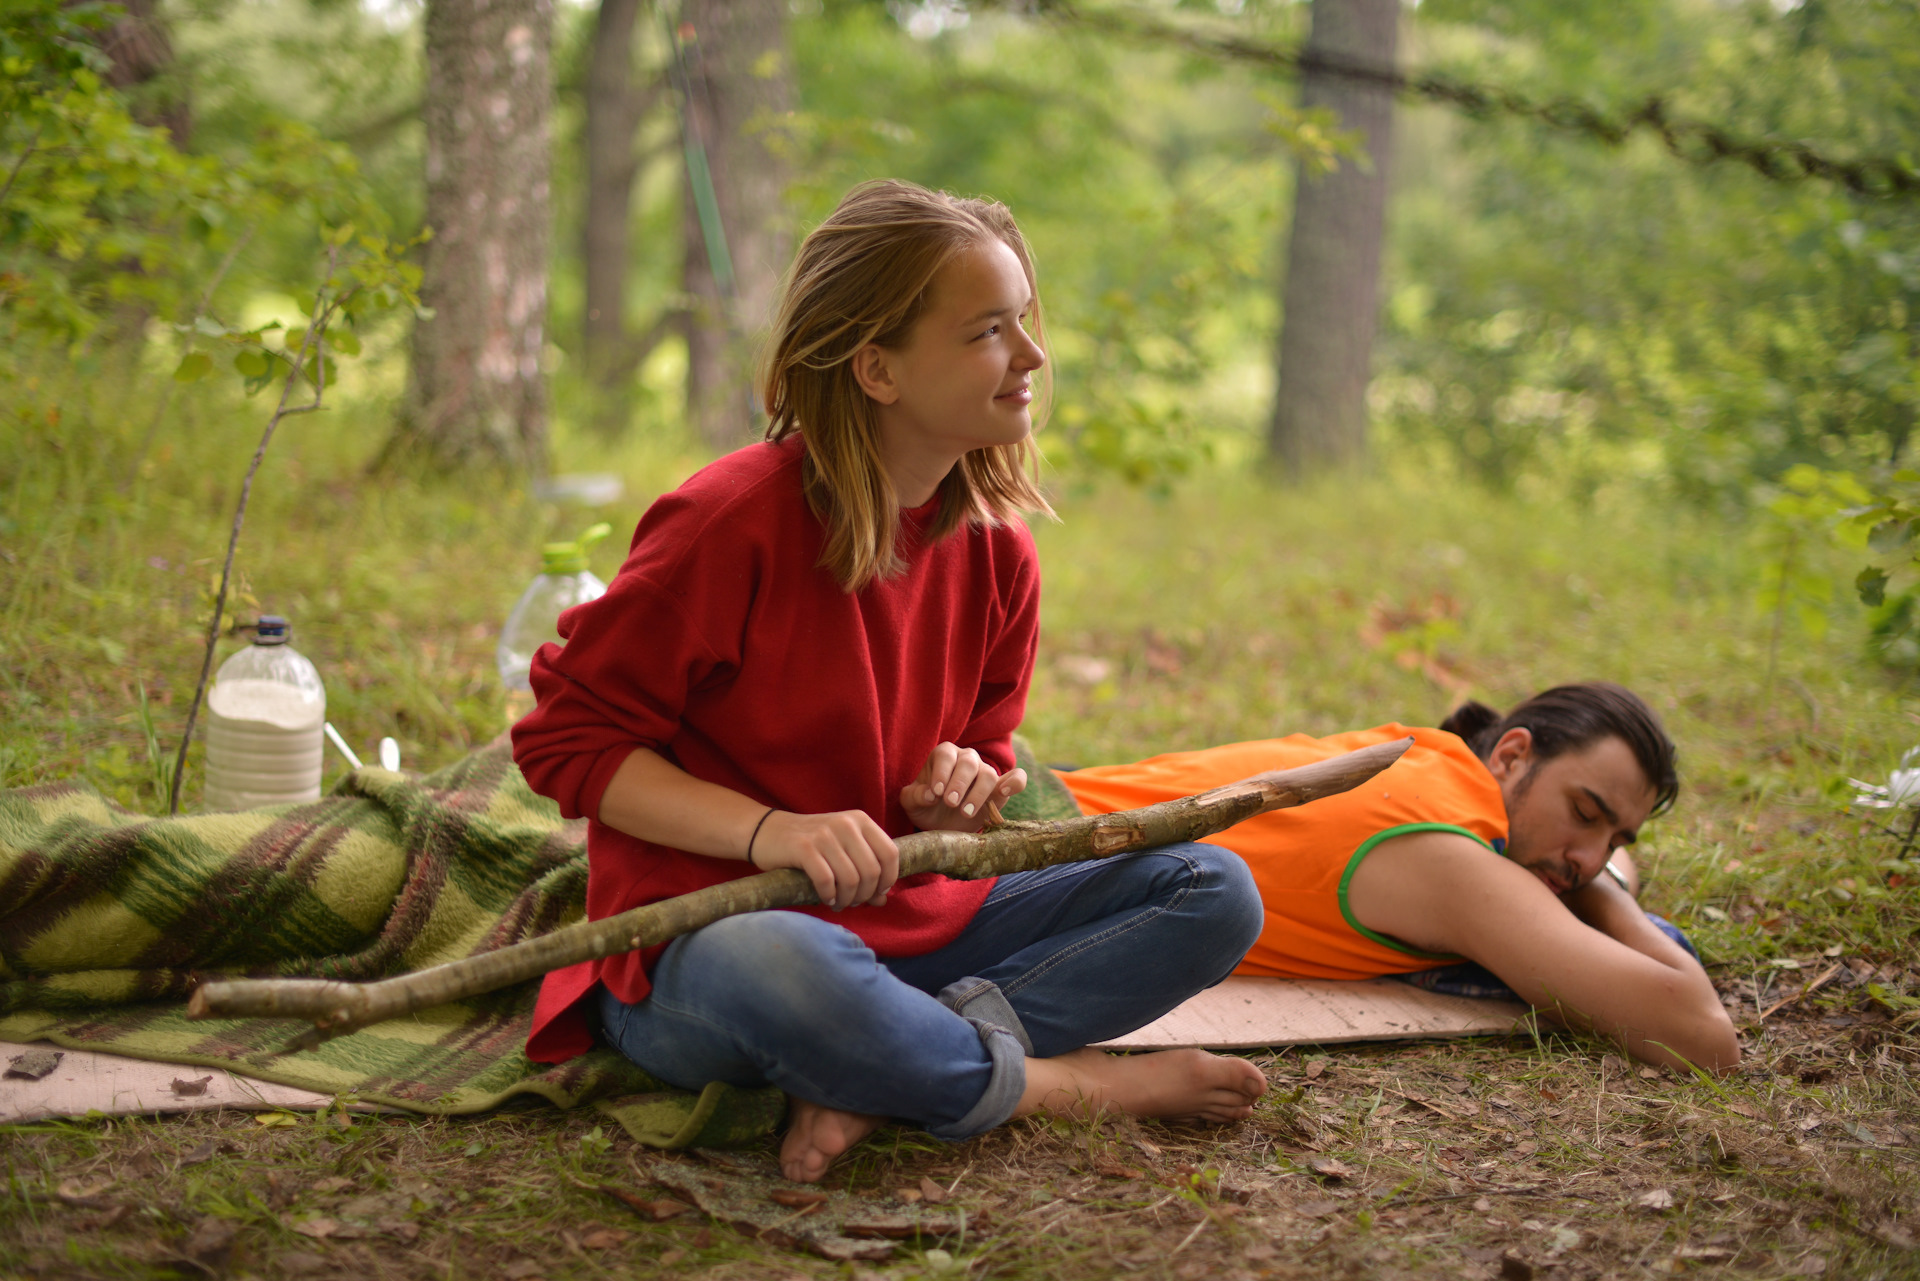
(816, 1135)
(1189, 1085)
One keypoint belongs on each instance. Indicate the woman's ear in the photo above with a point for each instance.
(873, 370)
(1512, 756)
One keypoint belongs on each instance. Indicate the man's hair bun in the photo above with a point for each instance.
(1469, 719)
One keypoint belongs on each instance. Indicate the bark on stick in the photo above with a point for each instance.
(335, 1008)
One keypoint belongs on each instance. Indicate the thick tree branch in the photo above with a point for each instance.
(335, 1007)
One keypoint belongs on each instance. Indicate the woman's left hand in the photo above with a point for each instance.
(954, 789)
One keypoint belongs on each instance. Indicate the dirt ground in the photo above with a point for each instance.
(1531, 1156)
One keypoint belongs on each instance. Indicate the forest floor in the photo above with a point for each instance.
(1495, 1158)
(1228, 610)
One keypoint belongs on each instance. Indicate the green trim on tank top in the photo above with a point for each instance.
(1353, 865)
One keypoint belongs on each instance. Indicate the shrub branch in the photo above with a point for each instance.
(313, 340)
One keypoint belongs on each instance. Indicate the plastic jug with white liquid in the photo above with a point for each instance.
(266, 715)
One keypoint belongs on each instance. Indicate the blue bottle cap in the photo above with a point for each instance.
(270, 630)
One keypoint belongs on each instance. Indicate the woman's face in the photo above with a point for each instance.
(1567, 815)
(963, 379)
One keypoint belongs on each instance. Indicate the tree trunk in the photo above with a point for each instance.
(476, 393)
(335, 1008)
(739, 82)
(615, 105)
(1331, 297)
(140, 63)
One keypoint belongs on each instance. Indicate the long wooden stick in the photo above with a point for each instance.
(335, 1007)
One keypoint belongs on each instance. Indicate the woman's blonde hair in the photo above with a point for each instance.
(864, 276)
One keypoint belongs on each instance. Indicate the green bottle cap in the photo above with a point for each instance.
(571, 558)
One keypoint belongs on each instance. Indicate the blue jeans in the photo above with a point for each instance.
(1054, 960)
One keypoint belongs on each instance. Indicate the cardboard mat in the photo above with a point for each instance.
(1256, 1013)
(82, 1082)
(1240, 1014)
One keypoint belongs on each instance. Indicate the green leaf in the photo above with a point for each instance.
(1890, 535)
(251, 363)
(1803, 478)
(1872, 586)
(194, 366)
(344, 341)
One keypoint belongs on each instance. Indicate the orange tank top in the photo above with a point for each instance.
(1303, 858)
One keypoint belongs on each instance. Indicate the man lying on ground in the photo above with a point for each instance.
(1501, 840)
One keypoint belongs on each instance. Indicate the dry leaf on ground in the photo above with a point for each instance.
(1330, 1168)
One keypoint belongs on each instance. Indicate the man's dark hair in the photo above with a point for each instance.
(1568, 718)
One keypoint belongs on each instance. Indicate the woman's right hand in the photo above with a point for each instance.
(846, 855)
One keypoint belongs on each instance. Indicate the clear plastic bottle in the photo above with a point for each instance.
(563, 582)
(266, 714)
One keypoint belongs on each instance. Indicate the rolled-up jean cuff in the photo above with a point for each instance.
(1004, 1087)
(982, 1001)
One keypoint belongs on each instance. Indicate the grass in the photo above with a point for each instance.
(1228, 610)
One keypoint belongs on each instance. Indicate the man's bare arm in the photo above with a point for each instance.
(1617, 914)
(1617, 975)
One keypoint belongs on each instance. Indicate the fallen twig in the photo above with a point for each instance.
(1532, 1189)
(1198, 1228)
(1808, 990)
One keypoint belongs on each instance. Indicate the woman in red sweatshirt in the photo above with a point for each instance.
(823, 642)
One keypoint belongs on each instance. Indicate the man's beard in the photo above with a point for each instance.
(1518, 846)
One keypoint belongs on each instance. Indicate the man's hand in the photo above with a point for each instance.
(954, 789)
(846, 855)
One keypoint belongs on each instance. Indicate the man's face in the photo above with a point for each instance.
(1567, 815)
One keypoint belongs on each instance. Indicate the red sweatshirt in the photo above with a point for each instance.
(725, 647)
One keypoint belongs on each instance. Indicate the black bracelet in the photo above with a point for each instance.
(756, 836)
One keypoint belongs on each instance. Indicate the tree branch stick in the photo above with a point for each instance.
(335, 1007)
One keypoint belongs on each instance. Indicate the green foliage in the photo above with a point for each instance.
(1887, 520)
(157, 760)
(100, 214)
(1565, 309)
(1808, 507)
(1151, 185)
(1882, 518)
(365, 277)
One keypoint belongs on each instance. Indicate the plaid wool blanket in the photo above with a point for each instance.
(109, 918)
